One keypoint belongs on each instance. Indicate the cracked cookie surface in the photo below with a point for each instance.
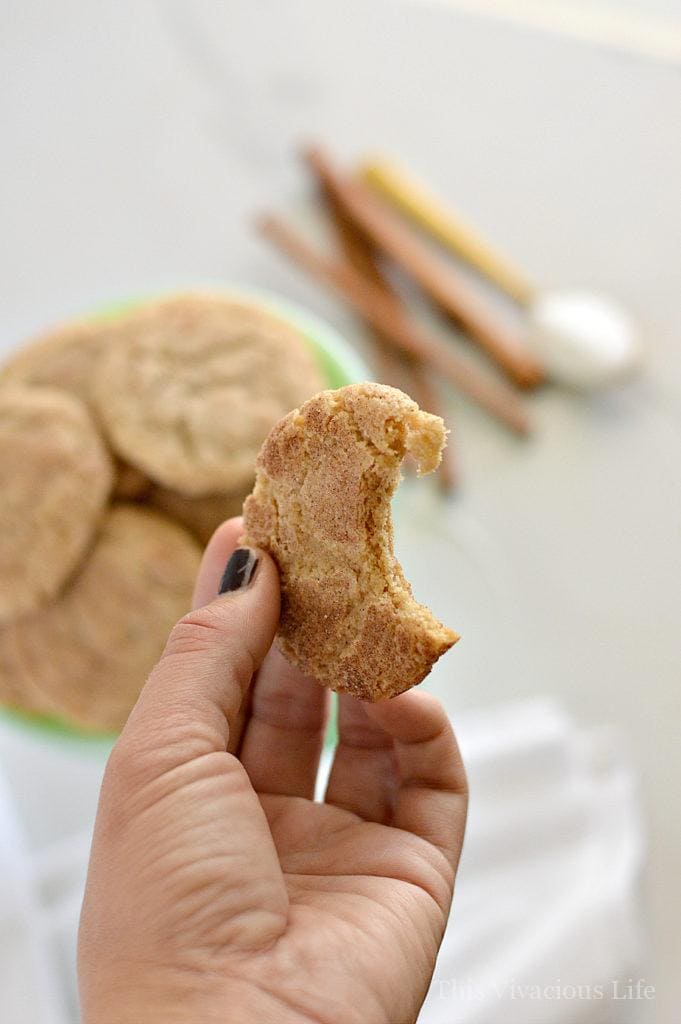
(321, 507)
(86, 657)
(65, 358)
(192, 383)
(55, 479)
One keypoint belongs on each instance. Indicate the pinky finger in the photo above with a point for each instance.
(432, 794)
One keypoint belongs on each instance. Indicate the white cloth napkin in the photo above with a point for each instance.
(544, 926)
(544, 922)
(32, 984)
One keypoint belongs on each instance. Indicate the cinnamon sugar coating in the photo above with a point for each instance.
(86, 656)
(55, 480)
(191, 383)
(321, 507)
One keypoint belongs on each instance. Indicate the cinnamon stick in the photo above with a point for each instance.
(439, 279)
(361, 255)
(410, 337)
(391, 363)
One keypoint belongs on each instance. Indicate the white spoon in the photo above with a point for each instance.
(583, 340)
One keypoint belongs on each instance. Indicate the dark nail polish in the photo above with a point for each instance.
(240, 570)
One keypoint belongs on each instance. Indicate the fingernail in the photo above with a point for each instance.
(239, 571)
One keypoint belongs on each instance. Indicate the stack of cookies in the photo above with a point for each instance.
(124, 442)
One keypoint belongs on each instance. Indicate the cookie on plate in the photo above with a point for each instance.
(130, 484)
(65, 358)
(86, 657)
(201, 516)
(191, 384)
(321, 507)
(55, 479)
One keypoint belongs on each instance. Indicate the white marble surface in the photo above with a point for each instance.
(138, 140)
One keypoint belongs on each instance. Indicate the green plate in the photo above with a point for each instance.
(339, 364)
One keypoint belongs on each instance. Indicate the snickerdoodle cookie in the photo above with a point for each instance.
(65, 358)
(86, 657)
(201, 516)
(321, 506)
(55, 479)
(191, 384)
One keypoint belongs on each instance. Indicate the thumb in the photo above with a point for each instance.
(193, 695)
(172, 795)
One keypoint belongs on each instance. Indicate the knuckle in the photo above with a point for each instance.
(139, 761)
(461, 785)
(122, 769)
(198, 631)
(211, 638)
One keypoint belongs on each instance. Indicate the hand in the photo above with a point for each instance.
(218, 890)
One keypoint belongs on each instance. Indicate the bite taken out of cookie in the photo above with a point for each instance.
(321, 507)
